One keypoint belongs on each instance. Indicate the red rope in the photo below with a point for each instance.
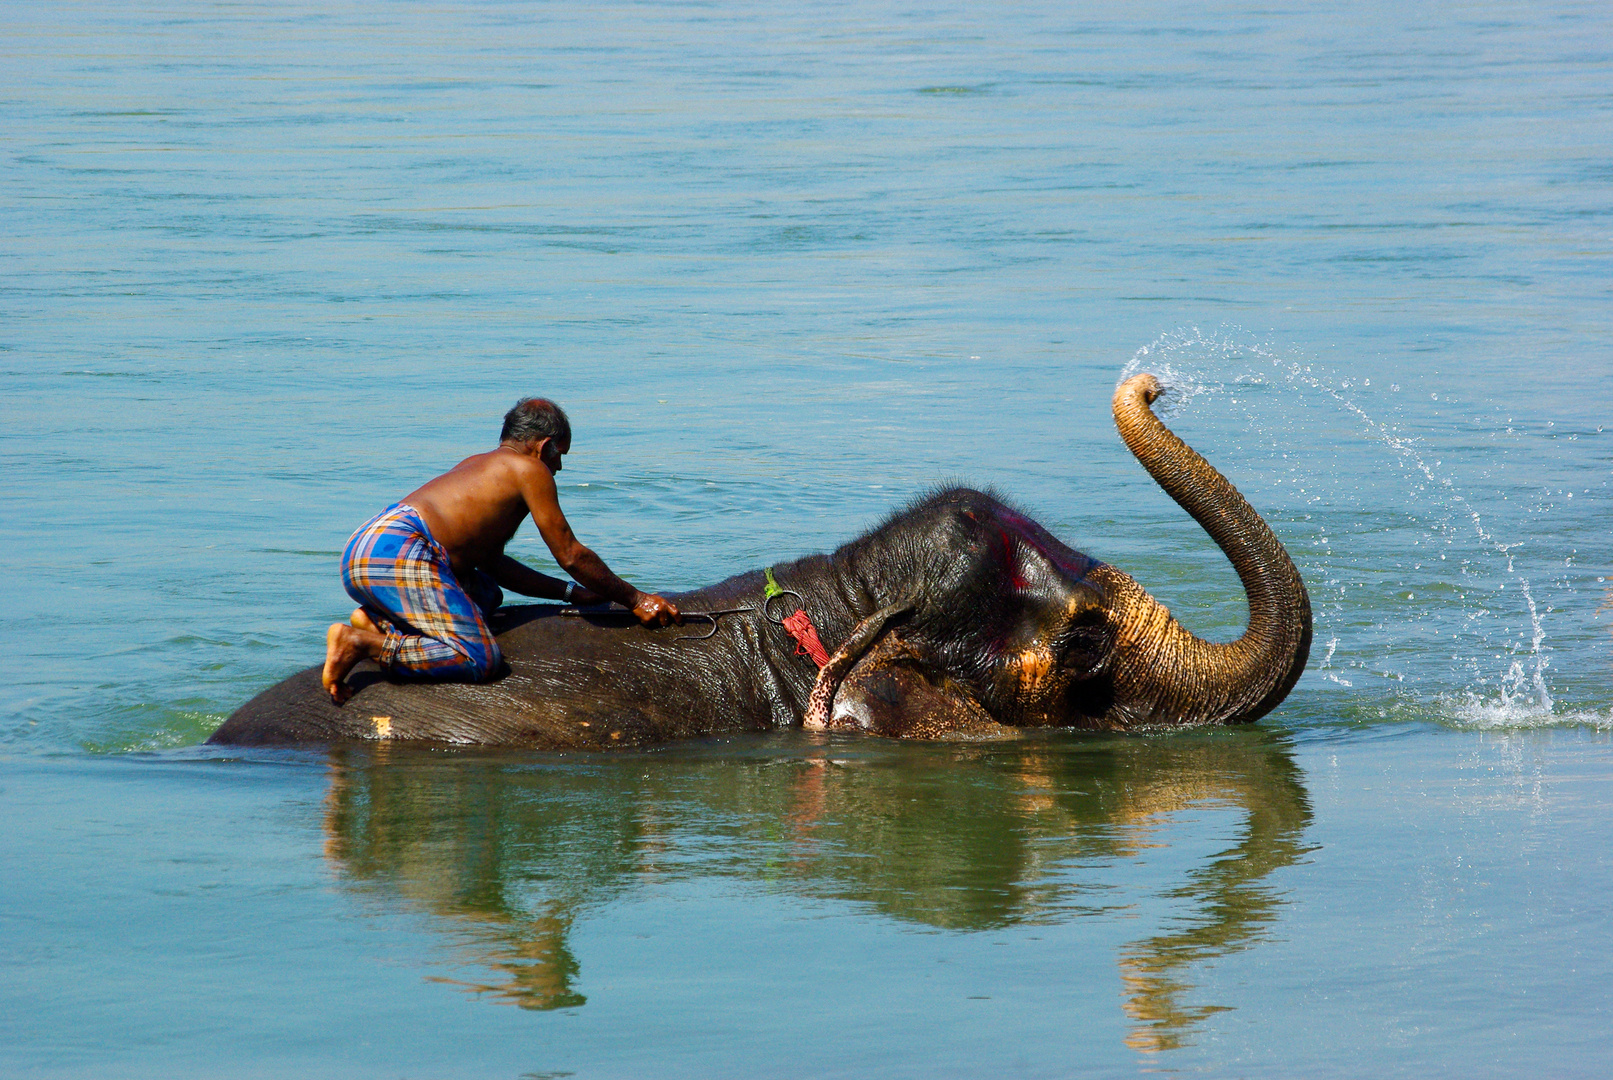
(806, 638)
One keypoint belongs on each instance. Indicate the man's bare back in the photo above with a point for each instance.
(472, 511)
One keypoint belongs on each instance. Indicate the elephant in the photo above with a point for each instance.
(956, 618)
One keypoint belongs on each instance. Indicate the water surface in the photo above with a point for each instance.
(264, 268)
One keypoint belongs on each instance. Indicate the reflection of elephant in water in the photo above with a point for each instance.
(954, 617)
(961, 838)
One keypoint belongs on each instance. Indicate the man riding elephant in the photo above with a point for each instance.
(957, 617)
(427, 571)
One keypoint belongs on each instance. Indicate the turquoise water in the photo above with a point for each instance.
(265, 268)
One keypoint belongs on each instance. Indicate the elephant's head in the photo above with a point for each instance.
(1001, 623)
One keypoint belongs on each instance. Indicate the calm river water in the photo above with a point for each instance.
(265, 267)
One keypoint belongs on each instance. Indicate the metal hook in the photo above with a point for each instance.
(767, 613)
(623, 613)
(713, 616)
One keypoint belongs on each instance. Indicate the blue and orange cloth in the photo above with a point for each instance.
(435, 625)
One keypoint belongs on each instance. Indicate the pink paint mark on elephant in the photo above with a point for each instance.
(1011, 561)
(1044, 544)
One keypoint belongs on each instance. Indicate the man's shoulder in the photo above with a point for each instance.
(519, 475)
(490, 471)
(494, 463)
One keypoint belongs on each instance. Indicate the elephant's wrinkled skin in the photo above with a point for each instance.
(957, 617)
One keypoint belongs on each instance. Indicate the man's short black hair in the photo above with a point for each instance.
(537, 418)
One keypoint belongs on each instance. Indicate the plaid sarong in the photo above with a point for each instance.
(436, 628)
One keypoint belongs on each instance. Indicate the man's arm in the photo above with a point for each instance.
(518, 577)
(576, 559)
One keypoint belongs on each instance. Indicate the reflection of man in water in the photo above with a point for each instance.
(427, 571)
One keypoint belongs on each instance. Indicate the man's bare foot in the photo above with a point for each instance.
(360, 620)
(345, 646)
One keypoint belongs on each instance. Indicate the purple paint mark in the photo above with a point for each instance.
(1010, 561)
(1046, 545)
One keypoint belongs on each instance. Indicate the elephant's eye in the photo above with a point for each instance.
(1084, 644)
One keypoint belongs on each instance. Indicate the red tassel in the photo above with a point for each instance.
(806, 638)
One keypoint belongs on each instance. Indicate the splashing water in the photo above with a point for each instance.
(1426, 590)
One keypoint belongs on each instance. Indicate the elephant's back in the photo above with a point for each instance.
(512, 711)
(569, 684)
(287, 713)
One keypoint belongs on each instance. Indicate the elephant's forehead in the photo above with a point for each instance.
(1031, 535)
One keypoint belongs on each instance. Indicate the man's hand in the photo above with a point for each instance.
(581, 597)
(653, 610)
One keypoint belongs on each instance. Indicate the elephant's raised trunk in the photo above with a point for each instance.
(1161, 673)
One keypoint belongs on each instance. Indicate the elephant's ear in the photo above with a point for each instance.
(894, 691)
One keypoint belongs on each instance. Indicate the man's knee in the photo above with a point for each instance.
(483, 664)
(420, 657)
(478, 659)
